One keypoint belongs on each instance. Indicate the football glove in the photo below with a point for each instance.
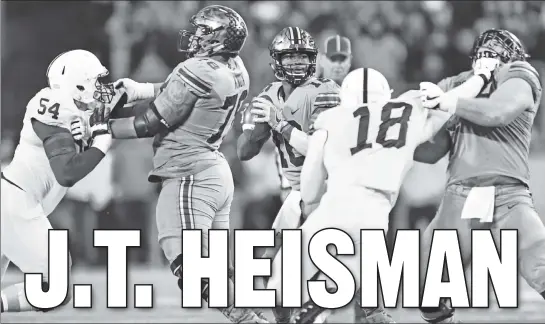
(79, 129)
(485, 67)
(98, 127)
(266, 112)
(430, 94)
(247, 118)
(135, 90)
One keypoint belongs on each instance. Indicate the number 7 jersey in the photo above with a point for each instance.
(372, 145)
(193, 146)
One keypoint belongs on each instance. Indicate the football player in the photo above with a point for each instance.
(488, 139)
(363, 149)
(337, 59)
(48, 161)
(189, 117)
(285, 110)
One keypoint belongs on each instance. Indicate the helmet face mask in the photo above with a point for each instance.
(293, 40)
(506, 45)
(215, 30)
(104, 91)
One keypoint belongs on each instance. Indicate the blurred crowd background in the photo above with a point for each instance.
(409, 42)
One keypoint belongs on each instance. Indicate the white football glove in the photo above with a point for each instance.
(485, 66)
(79, 130)
(265, 112)
(430, 94)
(135, 90)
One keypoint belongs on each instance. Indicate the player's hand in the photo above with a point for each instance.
(430, 94)
(98, 127)
(135, 90)
(79, 129)
(98, 121)
(266, 112)
(247, 121)
(485, 66)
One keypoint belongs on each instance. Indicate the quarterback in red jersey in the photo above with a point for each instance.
(488, 137)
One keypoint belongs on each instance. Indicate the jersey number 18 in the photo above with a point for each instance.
(387, 122)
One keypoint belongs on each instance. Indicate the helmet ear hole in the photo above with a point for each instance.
(80, 88)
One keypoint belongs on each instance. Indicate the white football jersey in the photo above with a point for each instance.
(372, 146)
(30, 168)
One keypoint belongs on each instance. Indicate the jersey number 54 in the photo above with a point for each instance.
(53, 109)
(387, 122)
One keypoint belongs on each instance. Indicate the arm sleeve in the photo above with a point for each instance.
(68, 166)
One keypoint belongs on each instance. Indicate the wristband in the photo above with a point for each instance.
(102, 142)
(146, 91)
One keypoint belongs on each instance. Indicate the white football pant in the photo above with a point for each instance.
(349, 210)
(24, 231)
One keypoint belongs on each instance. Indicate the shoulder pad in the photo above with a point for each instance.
(51, 109)
(198, 75)
(328, 94)
(452, 82)
(522, 70)
(270, 91)
(329, 84)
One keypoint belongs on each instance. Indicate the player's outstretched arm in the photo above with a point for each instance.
(138, 91)
(69, 166)
(435, 149)
(314, 173)
(519, 88)
(171, 108)
(501, 108)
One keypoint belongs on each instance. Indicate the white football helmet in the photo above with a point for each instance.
(363, 86)
(77, 73)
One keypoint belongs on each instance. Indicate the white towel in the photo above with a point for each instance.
(480, 204)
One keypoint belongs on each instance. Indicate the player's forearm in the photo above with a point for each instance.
(469, 89)
(146, 124)
(71, 167)
(432, 151)
(123, 128)
(126, 112)
(481, 111)
(296, 138)
(247, 148)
